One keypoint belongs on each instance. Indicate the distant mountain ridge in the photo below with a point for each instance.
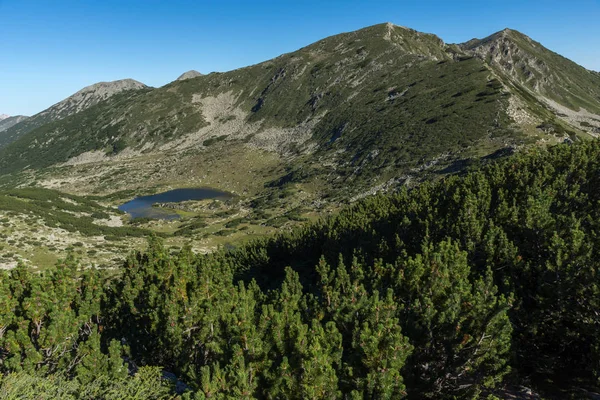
(8, 122)
(79, 101)
(371, 109)
(189, 75)
(571, 91)
(540, 69)
(92, 95)
(3, 116)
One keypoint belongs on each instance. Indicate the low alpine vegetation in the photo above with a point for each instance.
(443, 291)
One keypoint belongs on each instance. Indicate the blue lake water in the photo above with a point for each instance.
(141, 207)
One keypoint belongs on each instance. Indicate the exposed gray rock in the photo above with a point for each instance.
(189, 75)
(91, 95)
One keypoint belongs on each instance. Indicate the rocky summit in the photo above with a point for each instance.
(189, 75)
(76, 103)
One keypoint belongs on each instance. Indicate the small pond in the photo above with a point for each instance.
(142, 207)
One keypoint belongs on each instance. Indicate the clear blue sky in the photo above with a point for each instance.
(51, 49)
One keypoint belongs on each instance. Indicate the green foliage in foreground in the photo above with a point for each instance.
(146, 384)
(438, 292)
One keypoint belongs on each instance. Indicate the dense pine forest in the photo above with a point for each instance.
(444, 291)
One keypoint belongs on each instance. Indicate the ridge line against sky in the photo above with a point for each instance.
(50, 50)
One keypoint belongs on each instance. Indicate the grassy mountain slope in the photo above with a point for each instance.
(342, 117)
(383, 99)
(83, 99)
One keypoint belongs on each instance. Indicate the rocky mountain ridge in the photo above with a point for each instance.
(8, 122)
(92, 95)
(78, 102)
(570, 91)
(189, 75)
(368, 109)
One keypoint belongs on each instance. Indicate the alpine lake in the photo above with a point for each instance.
(145, 206)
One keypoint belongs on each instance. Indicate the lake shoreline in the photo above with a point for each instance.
(146, 206)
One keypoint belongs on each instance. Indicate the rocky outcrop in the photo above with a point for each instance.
(189, 75)
(503, 49)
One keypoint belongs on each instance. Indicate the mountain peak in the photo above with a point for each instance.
(389, 28)
(377, 38)
(80, 101)
(506, 34)
(514, 34)
(3, 116)
(550, 76)
(189, 75)
(107, 89)
(93, 94)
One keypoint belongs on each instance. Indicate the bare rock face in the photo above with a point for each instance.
(189, 75)
(547, 75)
(507, 49)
